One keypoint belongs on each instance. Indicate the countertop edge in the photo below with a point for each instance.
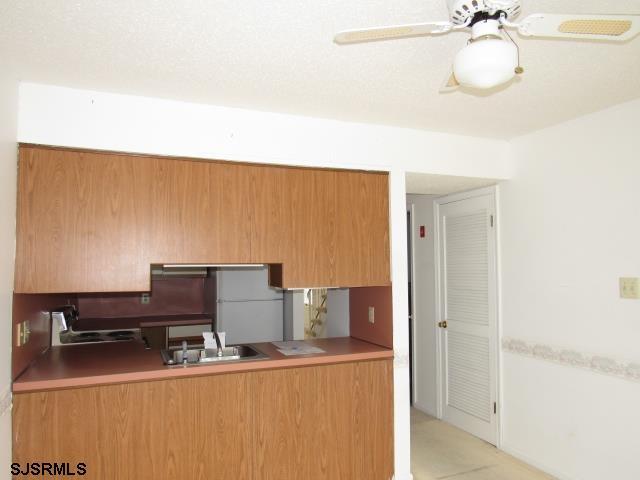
(165, 373)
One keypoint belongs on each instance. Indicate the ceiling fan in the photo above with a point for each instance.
(491, 59)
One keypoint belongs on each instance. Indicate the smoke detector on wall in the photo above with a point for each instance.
(491, 57)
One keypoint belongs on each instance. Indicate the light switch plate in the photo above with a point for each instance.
(372, 315)
(630, 287)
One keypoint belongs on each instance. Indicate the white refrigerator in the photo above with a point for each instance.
(248, 310)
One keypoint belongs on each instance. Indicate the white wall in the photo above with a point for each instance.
(81, 118)
(570, 226)
(425, 394)
(8, 169)
(77, 118)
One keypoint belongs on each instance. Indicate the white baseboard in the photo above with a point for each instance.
(534, 463)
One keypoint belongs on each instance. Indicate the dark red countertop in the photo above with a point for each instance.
(122, 362)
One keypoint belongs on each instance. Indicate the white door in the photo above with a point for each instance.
(467, 313)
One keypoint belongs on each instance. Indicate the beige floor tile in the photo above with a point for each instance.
(418, 417)
(440, 451)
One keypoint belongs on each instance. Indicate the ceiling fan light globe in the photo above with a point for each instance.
(486, 63)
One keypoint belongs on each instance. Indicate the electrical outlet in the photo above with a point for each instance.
(372, 315)
(145, 299)
(630, 287)
(22, 333)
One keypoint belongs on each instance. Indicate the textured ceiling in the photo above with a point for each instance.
(279, 56)
(429, 184)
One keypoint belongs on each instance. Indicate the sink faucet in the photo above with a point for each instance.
(214, 330)
(218, 343)
(185, 355)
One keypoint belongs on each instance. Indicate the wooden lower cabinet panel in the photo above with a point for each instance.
(328, 422)
(193, 428)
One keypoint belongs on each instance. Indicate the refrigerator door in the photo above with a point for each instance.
(242, 284)
(251, 322)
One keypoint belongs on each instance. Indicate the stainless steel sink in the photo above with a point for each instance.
(198, 355)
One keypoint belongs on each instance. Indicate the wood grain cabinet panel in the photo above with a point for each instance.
(309, 235)
(268, 214)
(95, 222)
(232, 181)
(82, 222)
(200, 212)
(330, 422)
(182, 199)
(362, 228)
(326, 422)
(195, 428)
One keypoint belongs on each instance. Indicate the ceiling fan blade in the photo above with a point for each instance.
(450, 84)
(616, 28)
(392, 32)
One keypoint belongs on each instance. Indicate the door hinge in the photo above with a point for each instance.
(495, 408)
(491, 220)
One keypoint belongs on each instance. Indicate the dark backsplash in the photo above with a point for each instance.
(168, 296)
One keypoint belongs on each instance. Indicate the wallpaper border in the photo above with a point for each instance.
(573, 358)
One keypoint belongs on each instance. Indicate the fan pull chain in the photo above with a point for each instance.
(519, 70)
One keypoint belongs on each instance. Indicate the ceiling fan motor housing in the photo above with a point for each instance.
(463, 11)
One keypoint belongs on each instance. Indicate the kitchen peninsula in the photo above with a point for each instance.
(94, 223)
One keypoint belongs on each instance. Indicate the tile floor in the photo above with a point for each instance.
(441, 451)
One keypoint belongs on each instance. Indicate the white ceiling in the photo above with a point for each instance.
(430, 184)
(279, 56)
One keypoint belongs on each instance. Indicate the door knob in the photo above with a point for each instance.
(442, 324)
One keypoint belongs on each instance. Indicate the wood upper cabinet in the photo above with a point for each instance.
(182, 199)
(96, 222)
(335, 229)
(362, 228)
(82, 222)
(309, 228)
(200, 212)
(269, 215)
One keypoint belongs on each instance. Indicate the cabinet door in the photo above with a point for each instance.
(182, 206)
(324, 422)
(231, 190)
(200, 212)
(309, 235)
(82, 222)
(192, 428)
(362, 228)
(268, 214)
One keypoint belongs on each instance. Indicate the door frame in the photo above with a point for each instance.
(492, 191)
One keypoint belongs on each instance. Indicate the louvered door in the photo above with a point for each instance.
(468, 314)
